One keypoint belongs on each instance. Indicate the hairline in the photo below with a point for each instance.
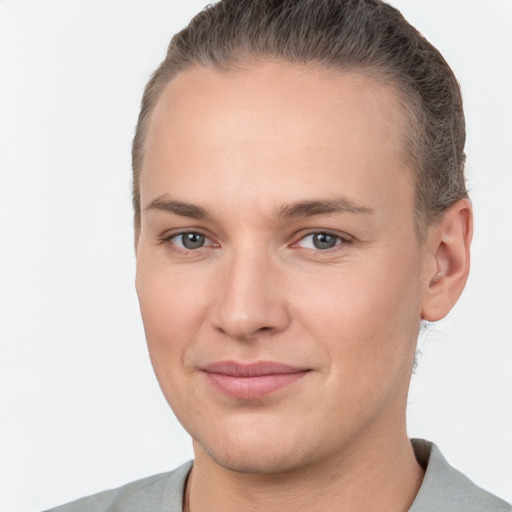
(410, 128)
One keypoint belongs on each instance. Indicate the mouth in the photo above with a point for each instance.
(251, 381)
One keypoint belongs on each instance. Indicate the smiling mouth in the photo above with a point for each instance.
(251, 381)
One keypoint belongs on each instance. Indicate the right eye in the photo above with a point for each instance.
(189, 240)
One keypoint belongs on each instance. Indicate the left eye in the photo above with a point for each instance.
(189, 240)
(320, 241)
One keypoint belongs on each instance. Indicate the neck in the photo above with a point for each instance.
(376, 473)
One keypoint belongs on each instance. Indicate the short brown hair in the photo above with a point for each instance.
(368, 36)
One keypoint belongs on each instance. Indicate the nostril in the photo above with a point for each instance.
(245, 333)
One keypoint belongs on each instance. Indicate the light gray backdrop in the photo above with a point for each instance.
(80, 410)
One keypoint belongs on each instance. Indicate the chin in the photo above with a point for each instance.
(262, 448)
(257, 459)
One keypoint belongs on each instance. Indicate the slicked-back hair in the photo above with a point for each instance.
(366, 36)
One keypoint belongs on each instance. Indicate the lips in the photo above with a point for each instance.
(251, 381)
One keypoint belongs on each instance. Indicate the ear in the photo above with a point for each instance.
(447, 261)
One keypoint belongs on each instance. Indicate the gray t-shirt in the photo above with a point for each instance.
(444, 489)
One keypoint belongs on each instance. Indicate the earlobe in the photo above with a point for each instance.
(448, 249)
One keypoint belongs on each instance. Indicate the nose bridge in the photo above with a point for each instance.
(250, 301)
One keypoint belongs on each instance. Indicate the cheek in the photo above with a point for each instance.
(171, 309)
(366, 317)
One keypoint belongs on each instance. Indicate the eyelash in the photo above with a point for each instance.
(168, 240)
(341, 241)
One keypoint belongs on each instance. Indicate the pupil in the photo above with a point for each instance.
(192, 240)
(324, 241)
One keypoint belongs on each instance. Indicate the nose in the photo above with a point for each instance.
(251, 300)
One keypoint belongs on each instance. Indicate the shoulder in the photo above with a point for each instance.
(158, 493)
(446, 489)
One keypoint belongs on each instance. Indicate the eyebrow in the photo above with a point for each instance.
(338, 204)
(298, 209)
(164, 204)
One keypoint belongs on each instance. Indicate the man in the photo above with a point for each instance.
(300, 209)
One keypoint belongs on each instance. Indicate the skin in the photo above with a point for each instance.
(243, 149)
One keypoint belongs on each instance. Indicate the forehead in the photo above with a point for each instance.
(265, 128)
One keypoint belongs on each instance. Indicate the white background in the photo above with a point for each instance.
(80, 410)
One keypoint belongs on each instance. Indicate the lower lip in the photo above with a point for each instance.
(252, 387)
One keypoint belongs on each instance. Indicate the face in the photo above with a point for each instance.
(278, 269)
